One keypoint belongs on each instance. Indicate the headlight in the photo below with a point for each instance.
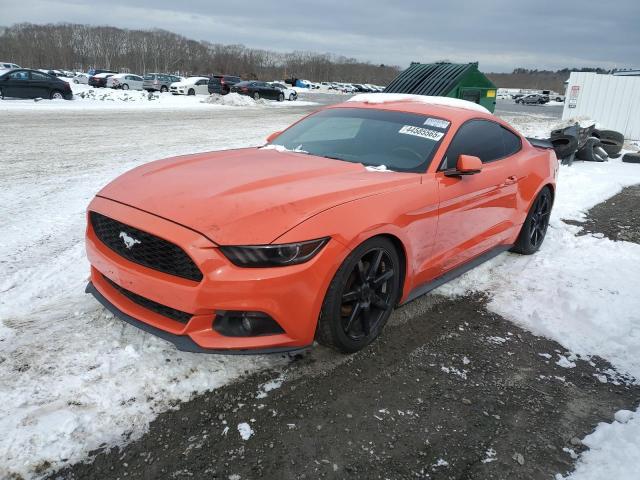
(274, 255)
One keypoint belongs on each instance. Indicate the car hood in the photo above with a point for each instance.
(248, 196)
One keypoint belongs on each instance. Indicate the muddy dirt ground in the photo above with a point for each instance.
(450, 391)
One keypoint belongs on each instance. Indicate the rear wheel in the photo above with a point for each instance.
(281, 97)
(56, 95)
(1, 94)
(361, 297)
(535, 225)
(256, 96)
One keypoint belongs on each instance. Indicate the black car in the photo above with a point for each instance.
(25, 83)
(222, 83)
(100, 81)
(258, 90)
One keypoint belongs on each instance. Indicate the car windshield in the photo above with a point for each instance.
(404, 142)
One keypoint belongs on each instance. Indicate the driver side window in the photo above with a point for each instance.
(481, 138)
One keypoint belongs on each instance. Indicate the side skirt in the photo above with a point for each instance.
(456, 272)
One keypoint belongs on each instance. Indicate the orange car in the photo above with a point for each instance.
(349, 212)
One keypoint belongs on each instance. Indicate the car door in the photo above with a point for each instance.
(19, 85)
(40, 84)
(201, 87)
(476, 212)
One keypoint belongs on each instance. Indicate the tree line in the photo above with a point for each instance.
(80, 47)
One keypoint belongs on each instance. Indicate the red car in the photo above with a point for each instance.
(349, 212)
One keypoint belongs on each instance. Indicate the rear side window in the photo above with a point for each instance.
(512, 143)
(484, 139)
(39, 76)
(149, 77)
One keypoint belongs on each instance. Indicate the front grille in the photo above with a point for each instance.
(172, 313)
(144, 249)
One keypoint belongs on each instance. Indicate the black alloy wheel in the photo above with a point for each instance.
(361, 297)
(535, 225)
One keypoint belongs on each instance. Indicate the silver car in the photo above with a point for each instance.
(159, 81)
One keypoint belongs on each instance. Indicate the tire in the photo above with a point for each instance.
(125, 86)
(1, 94)
(256, 96)
(281, 97)
(612, 135)
(537, 221)
(558, 99)
(355, 307)
(56, 95)
(76, 82)
(564, 145)
(592, 151)
(292, 97)
(163, 89)
(191, 92)
(610, 146)
(631, 158)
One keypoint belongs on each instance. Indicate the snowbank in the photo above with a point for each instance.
(86, 97)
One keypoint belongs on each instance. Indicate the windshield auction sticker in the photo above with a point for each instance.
(436, 122)
(421, 132)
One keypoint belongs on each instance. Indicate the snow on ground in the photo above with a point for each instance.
(85, 97)
(579, 291)
(73, 378)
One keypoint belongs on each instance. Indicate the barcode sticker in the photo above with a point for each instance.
(421, 132)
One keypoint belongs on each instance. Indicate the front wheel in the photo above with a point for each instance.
(125, 86)
(361, 297)
(292, 97)
(256, 96)
(163, 89)
(535, 225)
(191, 92)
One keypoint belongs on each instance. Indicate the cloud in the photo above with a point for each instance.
(500, 34)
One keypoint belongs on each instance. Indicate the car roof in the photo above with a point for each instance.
(456, 110)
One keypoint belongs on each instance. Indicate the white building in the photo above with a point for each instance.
(613, 101)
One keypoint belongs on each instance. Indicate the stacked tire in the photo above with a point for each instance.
(610, 141)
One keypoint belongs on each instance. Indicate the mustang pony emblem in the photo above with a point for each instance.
(128, 240)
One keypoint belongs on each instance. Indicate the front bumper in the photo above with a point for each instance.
(292, 295)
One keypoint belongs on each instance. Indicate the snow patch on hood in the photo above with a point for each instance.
(376, 98)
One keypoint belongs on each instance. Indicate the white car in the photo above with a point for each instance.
(289, 93)
(8, 66)
(191, 86)
(81, 78)
(125, 81)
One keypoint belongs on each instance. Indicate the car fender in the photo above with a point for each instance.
(407, 214)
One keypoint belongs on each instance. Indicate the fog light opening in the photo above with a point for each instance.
(245, 324)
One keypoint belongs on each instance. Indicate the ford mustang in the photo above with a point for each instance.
(319, 234)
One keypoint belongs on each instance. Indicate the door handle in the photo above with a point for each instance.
(509, 181)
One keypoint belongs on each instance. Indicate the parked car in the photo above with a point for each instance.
(184, 248)
(159, 81)
(258, 90)
(191, 86)
(99, 80)
(222, 84)
(26, 83)
(125, 81)
(96, 71)
(289, 93)
(532, 98)
(8, 66)
(81, 78)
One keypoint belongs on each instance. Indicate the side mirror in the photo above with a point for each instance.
(271, 137)
(466, 165)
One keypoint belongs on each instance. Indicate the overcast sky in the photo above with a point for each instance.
(500, 34)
